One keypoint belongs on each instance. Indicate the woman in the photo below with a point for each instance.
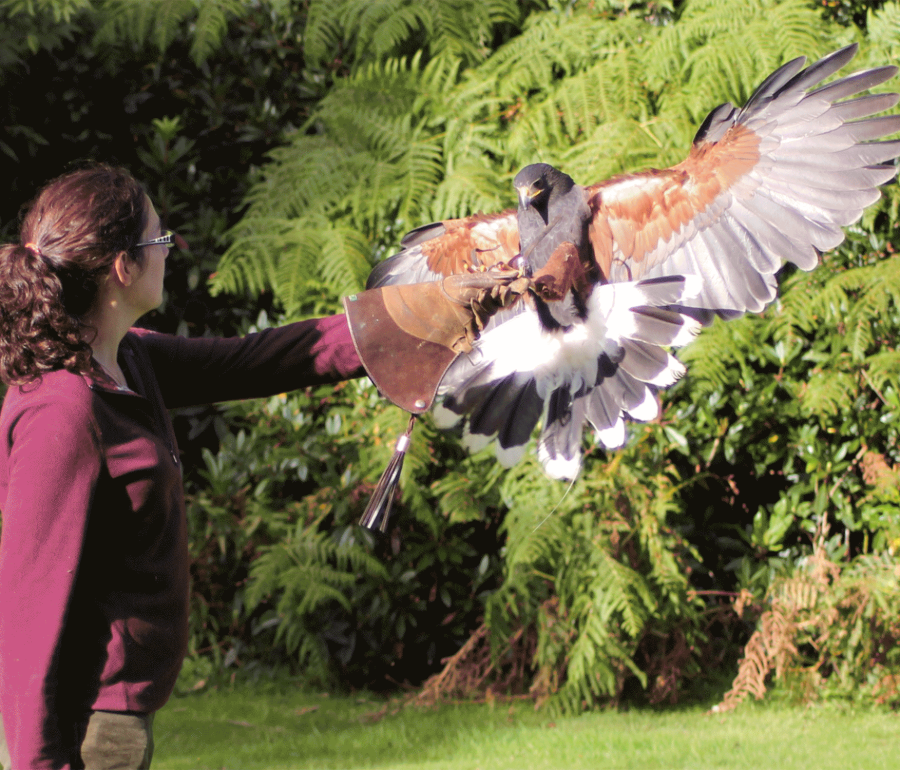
(93, 557)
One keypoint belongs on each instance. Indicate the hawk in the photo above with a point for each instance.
(625, 270)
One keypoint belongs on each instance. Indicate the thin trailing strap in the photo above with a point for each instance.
(378, 510)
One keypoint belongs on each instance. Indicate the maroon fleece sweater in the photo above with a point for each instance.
(93, 556)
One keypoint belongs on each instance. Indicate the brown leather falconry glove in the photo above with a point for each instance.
(452, 312)
(407, 335)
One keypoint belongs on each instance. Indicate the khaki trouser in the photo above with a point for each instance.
(117, 741)
(4, 749)
(112, 741)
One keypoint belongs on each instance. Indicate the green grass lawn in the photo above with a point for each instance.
(276, 729)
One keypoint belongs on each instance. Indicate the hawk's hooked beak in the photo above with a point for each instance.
(527, 196)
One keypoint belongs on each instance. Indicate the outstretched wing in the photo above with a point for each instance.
(771, 183)
(451, 247)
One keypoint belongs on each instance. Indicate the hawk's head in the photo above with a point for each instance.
(539, 183)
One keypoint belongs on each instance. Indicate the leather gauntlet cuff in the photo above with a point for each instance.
(406, 369)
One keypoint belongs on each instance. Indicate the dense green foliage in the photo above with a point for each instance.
(303, 139)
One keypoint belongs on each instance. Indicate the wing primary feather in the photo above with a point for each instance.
(863, 106)
(820, 70)
(793, 224)
(841, 160)
(871, 128)
(853, 84)
(836, 207)
(773, 84)
(864, 178)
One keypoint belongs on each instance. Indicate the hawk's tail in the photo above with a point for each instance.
(601, 371)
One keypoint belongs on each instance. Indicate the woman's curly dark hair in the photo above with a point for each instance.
(69, 239)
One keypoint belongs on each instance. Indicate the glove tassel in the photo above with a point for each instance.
(378, 510)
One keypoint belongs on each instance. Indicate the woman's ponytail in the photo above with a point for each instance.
(37, 335)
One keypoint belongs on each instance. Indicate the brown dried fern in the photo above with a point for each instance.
(477, 673)
(769, 648)
(795, 611)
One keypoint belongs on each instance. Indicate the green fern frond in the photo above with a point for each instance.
(622, 145)
(292, 255)
(313, 249)
(141, 23)
(859, 300)
(883, 34)
(249, 263)
(876, 307)
(590, 99)
(533, 540)
(665, 571)
(61, 11)
(595, 671)
(421, 171)
(334, 194)
(463, 29)
(550, 45)
(312, 174)
(603, 604)
(211, 26)
(714, 358)
(374, 29)
(308, 569)
(158, 21)
(466, 494)
(827, 392)
(621, 596)
(385, 24)
(724, 49)
(884, 369)
(534, 524)
(470, 187)
(323, 34)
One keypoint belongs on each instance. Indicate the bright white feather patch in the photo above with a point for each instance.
(619, 329)
(557, 466)
(613, 437)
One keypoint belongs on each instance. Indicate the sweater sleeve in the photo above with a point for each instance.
(205, 370)
(54, 464)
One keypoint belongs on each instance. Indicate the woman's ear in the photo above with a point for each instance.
(124, 269)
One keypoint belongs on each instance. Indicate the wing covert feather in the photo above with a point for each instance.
(451, 247)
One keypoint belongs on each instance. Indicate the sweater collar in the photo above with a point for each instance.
(99, 379)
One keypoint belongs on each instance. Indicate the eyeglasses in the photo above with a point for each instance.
(167, 239)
